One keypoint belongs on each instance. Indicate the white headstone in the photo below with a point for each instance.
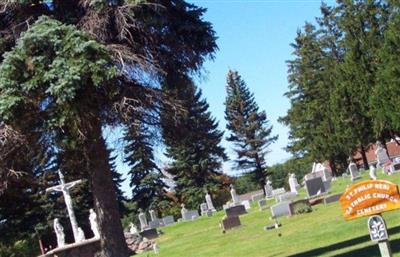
(153, 215)
(93, 223)
(246, 204)
(59, 233)
(280, 209)
(209, 202)
(268, 188)
(372, 172)
(235, 197)
(143, 220)
(133, 229)
(293, 184)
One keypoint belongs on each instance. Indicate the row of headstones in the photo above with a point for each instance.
(154, 223)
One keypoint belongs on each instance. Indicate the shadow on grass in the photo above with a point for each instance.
(371, 250)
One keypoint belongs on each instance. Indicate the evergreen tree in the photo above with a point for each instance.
(362, 24)
(148, 188)
(383, 103)
(192, 142)
(59, 84)
(250, 131)
(118, 180)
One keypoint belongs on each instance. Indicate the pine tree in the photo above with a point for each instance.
(192, 142)
(148, 188)
(383, 103)
(362, 24)
(249, 127)
(118, 180)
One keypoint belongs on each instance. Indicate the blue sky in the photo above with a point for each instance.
(254, 38)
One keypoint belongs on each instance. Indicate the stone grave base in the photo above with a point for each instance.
(230, 222)
(235, 211)
(149, 233)
(332, 198)
(87, 248)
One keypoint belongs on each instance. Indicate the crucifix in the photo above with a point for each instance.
(64, 188)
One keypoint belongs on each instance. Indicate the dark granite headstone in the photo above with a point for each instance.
(235, 211)
(332, 198)
(396, 167)
(231, 222)
(149, 233)
(315, 186)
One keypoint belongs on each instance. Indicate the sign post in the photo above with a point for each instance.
(378, 233)
(369, 199)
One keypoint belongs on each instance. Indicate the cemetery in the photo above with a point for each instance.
(125, 132)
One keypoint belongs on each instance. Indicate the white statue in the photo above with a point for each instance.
(183, 211)
(293, 184)
(268, 188)
(59, 233)
(81, 235)
(153, 215)
(133, 229)
(93, 223)
(65, 188)
(209, 202)
(143, 220)
(372, 172)
(156, 249)
(235, 197)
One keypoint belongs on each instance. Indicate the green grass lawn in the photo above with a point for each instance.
(324, 232)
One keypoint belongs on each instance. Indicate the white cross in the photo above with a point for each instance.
(64, 188)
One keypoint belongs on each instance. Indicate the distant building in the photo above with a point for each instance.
(392, 147)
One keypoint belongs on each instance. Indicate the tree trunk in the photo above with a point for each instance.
(333, 167)
(105, 199)
(364, 157)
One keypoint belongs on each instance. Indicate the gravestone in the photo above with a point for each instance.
(315, 186)
(209, 202)
(262, 204)
(293, 184)
(203, 209)
(286, 197)
(235, 197)
(353, 171)
(246, 204)
(372, 172)
(381, 154)
(268, 188)
(190, 215)
(231, 222)
(149, 233)
(332, 198)
(143, 220)
(235, 211)
(167, 220)
(154, 224)
(299, 207)
(257, 197)
(278, 191)
(280, 209)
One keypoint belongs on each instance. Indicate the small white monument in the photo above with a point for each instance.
(268, 188)
(183, 211)
(81, 235)
(133, 229)
(153, 215)
(59, 233)
(143, 220)
(210, 203)
(235, 197)
(93, 223)
(372, 172)
(293, 184)
(64, 188)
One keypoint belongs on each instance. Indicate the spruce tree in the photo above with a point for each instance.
(249, 127)
(148, 187)
(192, 142)
(118, 180)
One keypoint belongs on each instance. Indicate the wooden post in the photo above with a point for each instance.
(384, 248)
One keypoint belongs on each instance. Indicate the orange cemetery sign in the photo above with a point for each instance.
(368, 198)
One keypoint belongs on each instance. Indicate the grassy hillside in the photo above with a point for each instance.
(323, 232)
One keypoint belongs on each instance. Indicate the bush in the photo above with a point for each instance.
(21, 248)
